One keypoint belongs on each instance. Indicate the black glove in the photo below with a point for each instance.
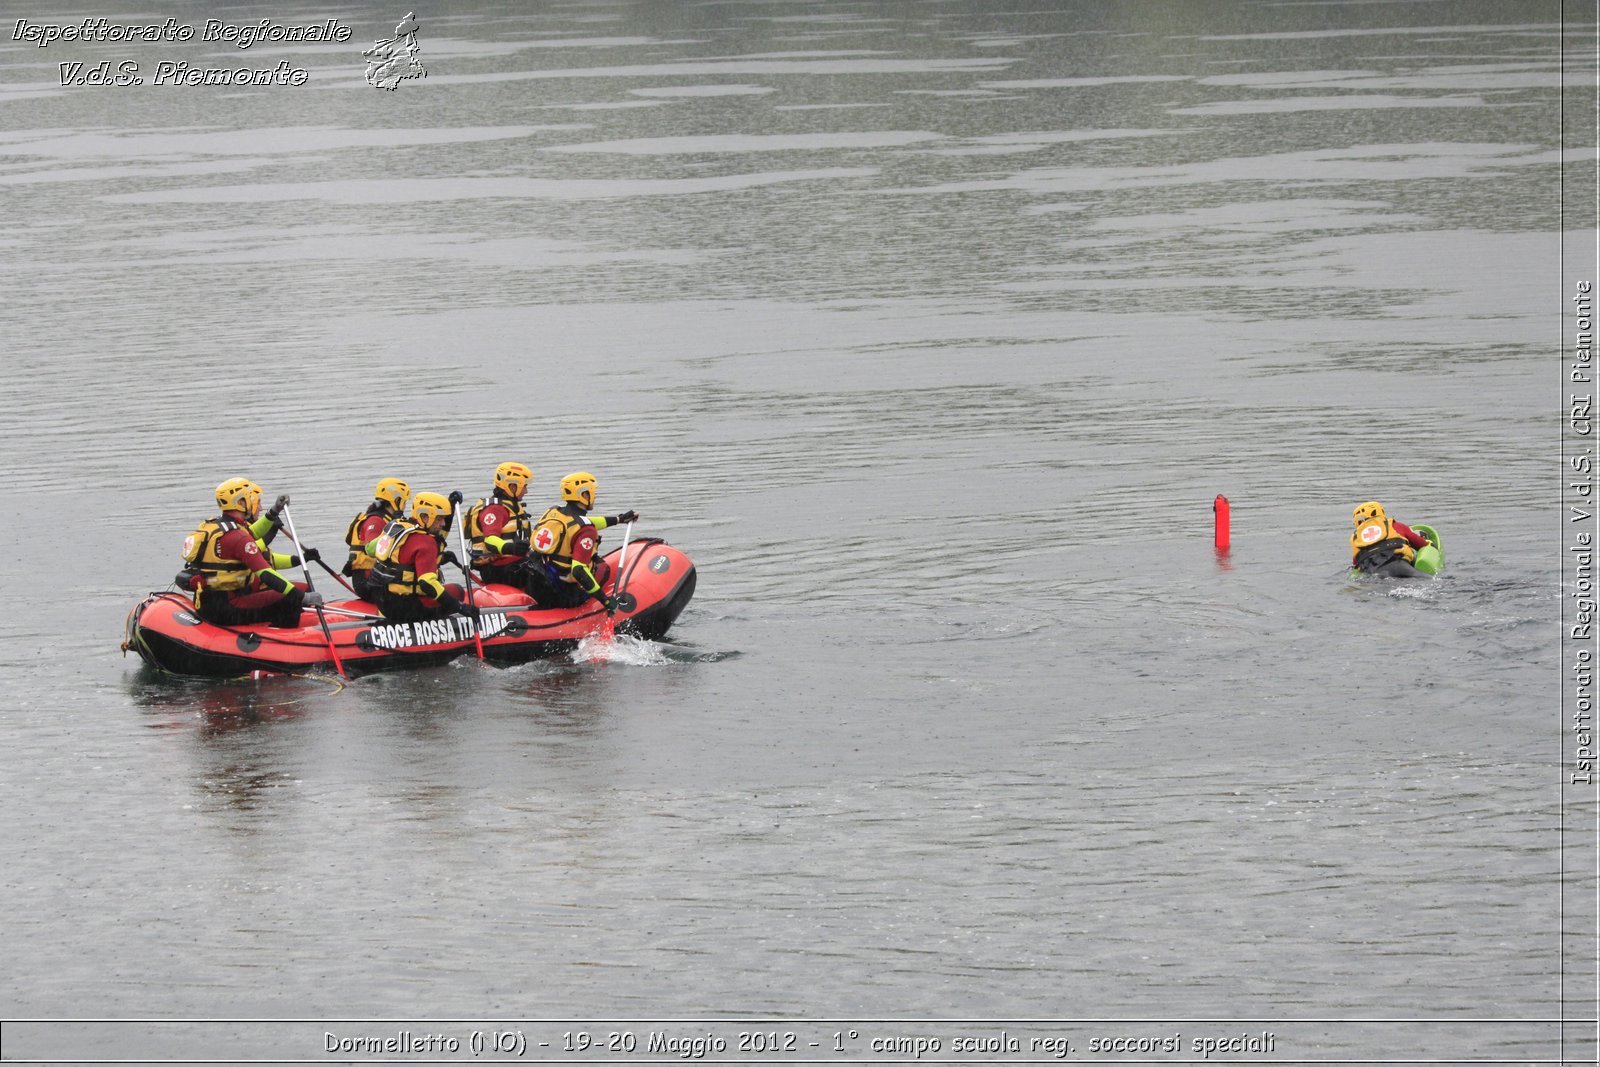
(347, 570)
(628, 516)
(312, 555)
(277, 507)
(607, 602)
(448, 556)
(456, 497)
(518, 547)
(456, 607)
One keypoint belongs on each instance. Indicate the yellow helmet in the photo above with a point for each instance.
(240, 494)
(426, 507)
(1367, 512)
(580, 488)
(511, 479)
(394, 492)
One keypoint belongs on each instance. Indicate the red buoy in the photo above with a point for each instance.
(1219, 509)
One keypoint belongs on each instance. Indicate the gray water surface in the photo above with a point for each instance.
(929, 332)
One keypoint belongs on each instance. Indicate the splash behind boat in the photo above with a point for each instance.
(167, 632)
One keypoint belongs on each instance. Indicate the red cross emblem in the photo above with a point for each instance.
(544, 540)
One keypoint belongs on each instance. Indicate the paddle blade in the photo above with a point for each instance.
(597, 646)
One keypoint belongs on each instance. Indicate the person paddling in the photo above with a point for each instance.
(408, 556)
(1379, 540)
(500, 529)
(388, 503)
(565, 543)
(231, 569)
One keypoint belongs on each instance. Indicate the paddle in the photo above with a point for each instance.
(350, 613)
(622, 570)
(305, 569)
(466, 569)
(608, 628)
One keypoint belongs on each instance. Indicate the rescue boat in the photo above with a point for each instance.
(656, 580)
(1428, 564)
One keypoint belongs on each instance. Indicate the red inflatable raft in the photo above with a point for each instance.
(165, 630)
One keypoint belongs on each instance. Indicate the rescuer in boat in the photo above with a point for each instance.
(233, 571)
(1378, 540)
(388, 503)
(407, 557)
(565, 542)
(500, 529)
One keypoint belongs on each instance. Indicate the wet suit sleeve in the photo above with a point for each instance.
(240, 545)
(265, 529)
(489, 542)
(1414, 539)
(271, 579)
(582, 570)
(425, 561)
(586, 580)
